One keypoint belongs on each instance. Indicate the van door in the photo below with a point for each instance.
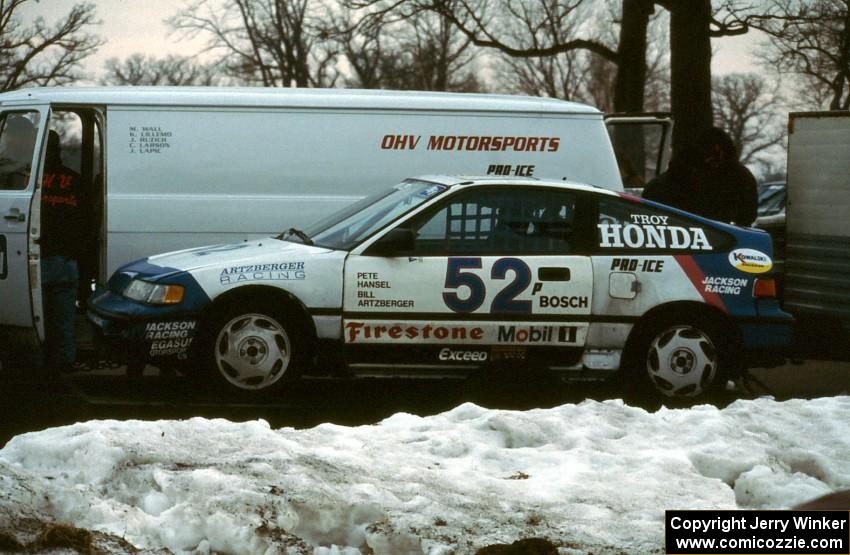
(21, 134)
(495, 275)
(642, 145)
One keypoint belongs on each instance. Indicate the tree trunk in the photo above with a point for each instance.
(631, 54)
(690, 69)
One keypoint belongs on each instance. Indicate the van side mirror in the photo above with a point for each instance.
(397, 241)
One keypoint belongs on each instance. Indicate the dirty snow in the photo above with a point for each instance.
(595, 476)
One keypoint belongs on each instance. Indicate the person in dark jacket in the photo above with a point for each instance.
(63, 237)
(677, 186)
(726, 189)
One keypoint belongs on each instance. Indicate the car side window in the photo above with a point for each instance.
(634, 226)
(498, 221)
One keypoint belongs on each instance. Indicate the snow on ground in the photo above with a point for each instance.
(595, 476)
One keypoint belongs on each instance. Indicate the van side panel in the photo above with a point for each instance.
(181, 177)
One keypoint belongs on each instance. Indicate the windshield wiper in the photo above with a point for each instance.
(298, 233)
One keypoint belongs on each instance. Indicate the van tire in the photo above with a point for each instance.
(252, 350)
(680, 358)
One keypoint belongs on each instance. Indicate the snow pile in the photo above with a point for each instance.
(590, 477)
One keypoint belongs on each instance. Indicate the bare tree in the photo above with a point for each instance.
(138, 69)
(40, 54)
(811, 38)
(749, 110)
(420, 52)
(273, 43)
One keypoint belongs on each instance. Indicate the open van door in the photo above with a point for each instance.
(22, 131)
(642, 144)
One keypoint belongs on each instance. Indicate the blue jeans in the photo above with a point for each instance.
(59, 281)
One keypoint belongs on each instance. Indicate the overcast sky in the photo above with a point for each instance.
(130, 26)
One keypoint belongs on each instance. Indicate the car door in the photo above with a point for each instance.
(21, 132)
(494, 274)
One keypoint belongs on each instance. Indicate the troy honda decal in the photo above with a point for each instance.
(652, 232)
(750, 261)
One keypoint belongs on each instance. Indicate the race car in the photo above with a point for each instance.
(447, 276)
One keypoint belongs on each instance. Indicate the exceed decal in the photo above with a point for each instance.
(462, 356)
(750, 261)
(724, 285)
(652, 232)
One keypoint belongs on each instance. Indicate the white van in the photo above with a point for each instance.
(170, 168)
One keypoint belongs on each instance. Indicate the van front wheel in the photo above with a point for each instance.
(253, 350)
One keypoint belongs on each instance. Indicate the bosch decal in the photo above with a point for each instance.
(750, 261)
(283, 271)
(652, 232)
(450, 355)
(563, 301)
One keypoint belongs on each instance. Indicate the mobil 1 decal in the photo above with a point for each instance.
(652, 232)
(513, 286)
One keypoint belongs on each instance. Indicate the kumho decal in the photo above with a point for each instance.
(652, 232)
(750, 261)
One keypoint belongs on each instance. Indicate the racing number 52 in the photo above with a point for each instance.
(504, 301)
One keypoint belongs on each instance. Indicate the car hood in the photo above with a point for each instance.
(166, 265)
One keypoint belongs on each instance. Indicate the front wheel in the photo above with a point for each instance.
(683, 358)
(252, 349)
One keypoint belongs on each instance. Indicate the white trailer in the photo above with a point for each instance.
(817, 267)
(170, 168)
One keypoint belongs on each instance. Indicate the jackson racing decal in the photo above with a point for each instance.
(724, 285)
(750, 261)
(170, 338)
(652, 232)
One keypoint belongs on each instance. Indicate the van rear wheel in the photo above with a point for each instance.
(253, 349)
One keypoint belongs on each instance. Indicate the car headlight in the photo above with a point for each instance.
(153, 293)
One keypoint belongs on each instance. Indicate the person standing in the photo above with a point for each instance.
(726, 190)
(63, 237)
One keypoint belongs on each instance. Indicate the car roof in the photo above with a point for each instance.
(479, 180)
(295, 98)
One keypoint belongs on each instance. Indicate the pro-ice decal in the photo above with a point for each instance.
(283, 271)
(724, 285)
(636, 264)
(4, 264)
(652, 232)
(750, 261)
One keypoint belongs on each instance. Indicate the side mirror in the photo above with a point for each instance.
(397, 241)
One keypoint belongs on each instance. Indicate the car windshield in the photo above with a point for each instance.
(351, 225)
(771, 199)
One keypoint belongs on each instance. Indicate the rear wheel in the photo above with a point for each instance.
(682, 358)
(253, 349)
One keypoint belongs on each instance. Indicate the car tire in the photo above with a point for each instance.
(251, 349)
(681, 358)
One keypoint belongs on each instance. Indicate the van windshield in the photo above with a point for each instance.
(349, 226)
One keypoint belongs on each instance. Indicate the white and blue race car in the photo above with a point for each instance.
(444, 276)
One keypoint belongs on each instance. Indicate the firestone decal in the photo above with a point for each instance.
(487, 333)
(357, 332)
(750, 261)
(652, 232)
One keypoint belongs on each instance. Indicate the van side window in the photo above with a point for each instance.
(498, 221)
(18, 132)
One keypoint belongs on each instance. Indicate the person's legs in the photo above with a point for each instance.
(59, 283)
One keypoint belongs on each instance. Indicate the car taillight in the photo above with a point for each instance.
(764, 288)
